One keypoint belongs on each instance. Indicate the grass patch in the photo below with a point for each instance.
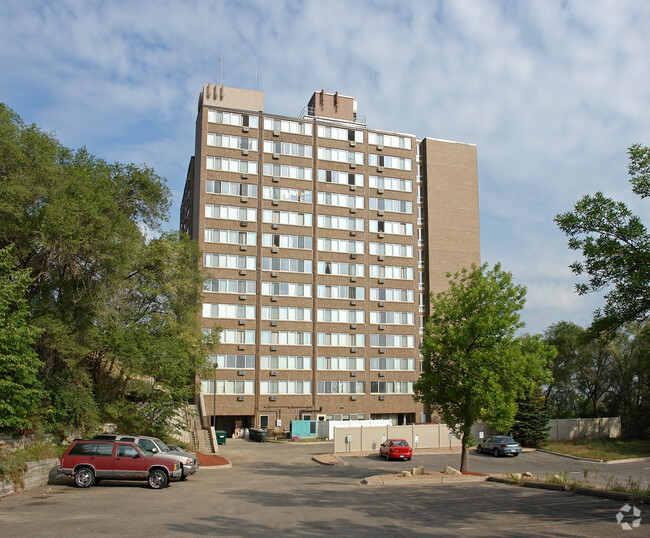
(601, 449)
(13, 463)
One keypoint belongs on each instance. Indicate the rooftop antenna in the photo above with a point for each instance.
(221, 80)
(256, 79)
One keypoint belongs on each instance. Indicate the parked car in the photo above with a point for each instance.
(499, 445)
(397, 449)
(153, 445)
(88, 461)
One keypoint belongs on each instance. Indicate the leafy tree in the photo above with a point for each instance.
(120, 334)
(615, 246)
(580, 371)
(475, 368)
(628, 393)
(561, 392)
(531, 426)
(20, 388)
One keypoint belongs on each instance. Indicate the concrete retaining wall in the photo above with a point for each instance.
(38, 474)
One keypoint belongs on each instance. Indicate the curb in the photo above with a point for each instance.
(594, 460)
(428, 481)
(614, 495)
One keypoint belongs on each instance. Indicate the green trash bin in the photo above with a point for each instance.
(221, 437)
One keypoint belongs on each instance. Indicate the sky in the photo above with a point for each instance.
(551, 92)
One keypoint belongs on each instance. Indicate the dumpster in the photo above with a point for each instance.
(258, 435)
(221, 437)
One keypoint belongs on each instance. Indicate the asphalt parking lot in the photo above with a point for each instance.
(278, 489)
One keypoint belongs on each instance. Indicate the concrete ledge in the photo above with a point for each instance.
(437, 481)
(328, 459)
(39, 473)
(594, 492)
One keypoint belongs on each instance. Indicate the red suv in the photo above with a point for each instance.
(89, 461)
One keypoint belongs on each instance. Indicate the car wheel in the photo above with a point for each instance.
(84, 477)
(408, 459)
(496, 453)
(479, 449)
(515, 454)
(157, 479)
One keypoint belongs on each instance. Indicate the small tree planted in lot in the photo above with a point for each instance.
(475, 368)
(531, 426)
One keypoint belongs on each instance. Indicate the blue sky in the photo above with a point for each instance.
(552, 93)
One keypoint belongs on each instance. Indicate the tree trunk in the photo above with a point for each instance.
(464, 455)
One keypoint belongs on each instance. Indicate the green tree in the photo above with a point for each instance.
(120, 334)
(475, 367)
(615, 247)
(152, 334)
(561, 392)
(20, 388)
(580, 371)
(531, 427)
(628, 395)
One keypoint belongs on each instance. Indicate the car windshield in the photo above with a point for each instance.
(508, 440)
(163, 446)
(400, 443)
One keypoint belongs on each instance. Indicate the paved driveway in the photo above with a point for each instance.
(540, 464)
(278, 489)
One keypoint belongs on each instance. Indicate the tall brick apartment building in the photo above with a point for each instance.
(322, 239)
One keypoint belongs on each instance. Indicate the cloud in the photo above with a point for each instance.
(551, 92)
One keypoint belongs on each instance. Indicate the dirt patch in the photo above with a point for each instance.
(327, 459)
(211, 460)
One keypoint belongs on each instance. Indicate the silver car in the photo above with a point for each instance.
(153, 445)
(499, 445)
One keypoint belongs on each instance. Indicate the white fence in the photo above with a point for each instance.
(585, 428)
(348, 438)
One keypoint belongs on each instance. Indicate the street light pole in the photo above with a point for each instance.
(214, 397)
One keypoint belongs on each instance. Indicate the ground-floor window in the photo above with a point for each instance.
(264, 421)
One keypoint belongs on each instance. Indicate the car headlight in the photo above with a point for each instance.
(188, 461)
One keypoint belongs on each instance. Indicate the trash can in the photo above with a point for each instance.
(221, 437)
(258, 435)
